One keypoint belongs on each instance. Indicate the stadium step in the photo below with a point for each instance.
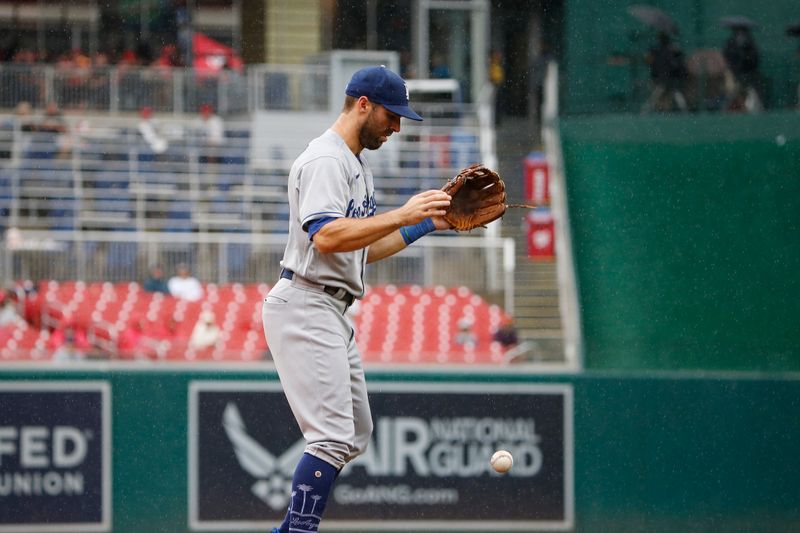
(537, 314)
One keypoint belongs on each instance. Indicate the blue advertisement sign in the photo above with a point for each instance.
(55, 461)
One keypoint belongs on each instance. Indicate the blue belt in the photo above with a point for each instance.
(336, 292)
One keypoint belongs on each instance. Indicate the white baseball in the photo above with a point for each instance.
(502, 461)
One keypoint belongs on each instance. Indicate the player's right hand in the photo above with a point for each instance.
(432, 203)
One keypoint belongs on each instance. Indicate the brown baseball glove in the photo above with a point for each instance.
(478, 197)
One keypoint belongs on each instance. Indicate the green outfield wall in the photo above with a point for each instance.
(686, 237)
(649, 452)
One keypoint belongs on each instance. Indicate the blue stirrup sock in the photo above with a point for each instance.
(412, 233)
(311, 485)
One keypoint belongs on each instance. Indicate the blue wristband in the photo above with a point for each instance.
(412, 233)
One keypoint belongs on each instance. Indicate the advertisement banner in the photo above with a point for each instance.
(427, 466)
(541, 232)
(536, 174)
(55, 456)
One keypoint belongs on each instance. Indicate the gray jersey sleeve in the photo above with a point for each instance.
(323, 190)
(327, 180)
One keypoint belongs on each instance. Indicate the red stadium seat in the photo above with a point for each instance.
(414, 324)
(394, 324)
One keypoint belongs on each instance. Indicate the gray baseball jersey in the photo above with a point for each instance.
(309, 334)
(328, 180)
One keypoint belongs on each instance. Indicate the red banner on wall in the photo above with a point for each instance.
(537, 179)
(541, 235)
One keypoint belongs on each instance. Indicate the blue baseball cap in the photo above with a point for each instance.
(384, 87)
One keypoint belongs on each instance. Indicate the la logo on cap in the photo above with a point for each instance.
(383, 87)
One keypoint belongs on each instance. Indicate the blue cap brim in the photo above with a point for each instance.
(403, 111)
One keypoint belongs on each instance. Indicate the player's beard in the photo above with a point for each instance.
(369, 136)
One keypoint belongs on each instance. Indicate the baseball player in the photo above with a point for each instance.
(334, 231)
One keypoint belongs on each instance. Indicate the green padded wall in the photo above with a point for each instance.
(654, 452)
(686, 233)
(604, 48)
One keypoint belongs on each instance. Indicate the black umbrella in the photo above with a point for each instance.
(652, 16)
(738, 21)
(793, 30)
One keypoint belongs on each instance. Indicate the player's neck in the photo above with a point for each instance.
(346, 128)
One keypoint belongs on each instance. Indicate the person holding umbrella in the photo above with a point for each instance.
(741, 54)
(668, 75)
(793, 30)
(667, 62)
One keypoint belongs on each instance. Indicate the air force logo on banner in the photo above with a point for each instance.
(272, 474)
(243, 447)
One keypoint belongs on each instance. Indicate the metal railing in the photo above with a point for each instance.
(288, 87)
(567, 282)
(100, 173)
(96, 175)
(127, 89)
(243, 258)
(105, 176)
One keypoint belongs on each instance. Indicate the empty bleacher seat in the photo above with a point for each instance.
(394, 325)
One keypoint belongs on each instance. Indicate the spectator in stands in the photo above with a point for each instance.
(506, 334)
(70, 344)
(537, 77)
(184, 285)
(99, 82)
(68, 352)
(741, 54)
(31, 303)
(9, 310)
(29, 87)
(155, 281)
(497, 75)
(23, 116)
(668, 74)
(25, 299)
(53, 123)
(515, 350)
(161, 84)
(22, 123)
(137, 340)
(127, 76)
(130, 340)
(465, 337)
(148, 129)
(439, 68)
(53, 120)
(100, 60)
(75, 70)
(169, 57)
(24, 56)
(128, 58)
(206, 332)
(211, 133)
(408, 70)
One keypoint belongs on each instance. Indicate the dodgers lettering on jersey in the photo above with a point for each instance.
(328, 180)
(366, 208)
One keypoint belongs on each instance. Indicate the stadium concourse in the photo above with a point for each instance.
(121, 321)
